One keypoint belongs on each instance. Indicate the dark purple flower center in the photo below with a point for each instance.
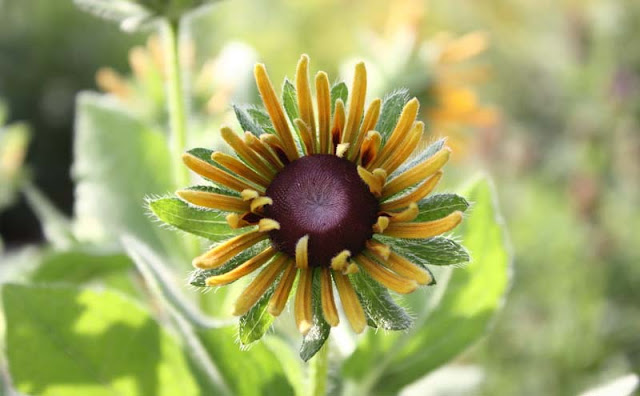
(321, 196)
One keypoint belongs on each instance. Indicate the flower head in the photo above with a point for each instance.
(323, 190)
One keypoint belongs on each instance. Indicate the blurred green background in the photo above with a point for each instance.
(544, 96)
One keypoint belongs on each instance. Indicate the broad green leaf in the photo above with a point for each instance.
(256, 371)
(290, 101)
(339, 91)
(207, 223)
(438, 206)
(320, 329)
(392, 105)
(79, 266)
(378, 304)
(472, 297)
(255, 323)
(118, 161)
(247, 121)
(433, 251)
(199, 276)
(65, 341)
(55, 225)
(387, 363)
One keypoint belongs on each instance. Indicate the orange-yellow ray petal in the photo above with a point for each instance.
(369, 122)
(329, 310)
(303, 309)
(340, 261)
(381, 224)
(247, 154)
(306, 136)
(281, 294)
(356, 104)
(235, 221)
(323, 98)
(305, 104)
(248, 195)
(275, 143)
(341, 149)
(404, 151)
(213, 200)
(406, 120)
(266, 225)
(276, 113)
(408, 214)
(386, 278)
(302, 252)
(217, 175)
(370, 148)
(259, 285)
(414, 196)
(374, 183)
(418, 173)
(424, 230)
(239, 168)
(337, 127)
(243, 269)
(380, 249)
(228, 249)
(258, 203)
(263, 150)
(407, 269)
(350, 303)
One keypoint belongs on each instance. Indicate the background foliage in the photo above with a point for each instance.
(546, 100)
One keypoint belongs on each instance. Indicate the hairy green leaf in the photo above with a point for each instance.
(255, 323)
(247, 121)
(378, 304)
(207, 223)
(339, 91)
(290, 101)
(437, 206)
(320, 329)
(392, 105)
(262, 118)
(65, 341)
(433, 251)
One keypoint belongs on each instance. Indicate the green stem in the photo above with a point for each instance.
(318, 372)
(177, 114)
(176, 100)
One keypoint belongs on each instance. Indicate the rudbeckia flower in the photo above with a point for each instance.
(316, 193)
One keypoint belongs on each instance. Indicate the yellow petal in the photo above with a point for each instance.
(386, 278)
(303, 310)
(275, 111)
(350, 303)
(243, 269)
(329, 310)
(259, 285)
(424, 230)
